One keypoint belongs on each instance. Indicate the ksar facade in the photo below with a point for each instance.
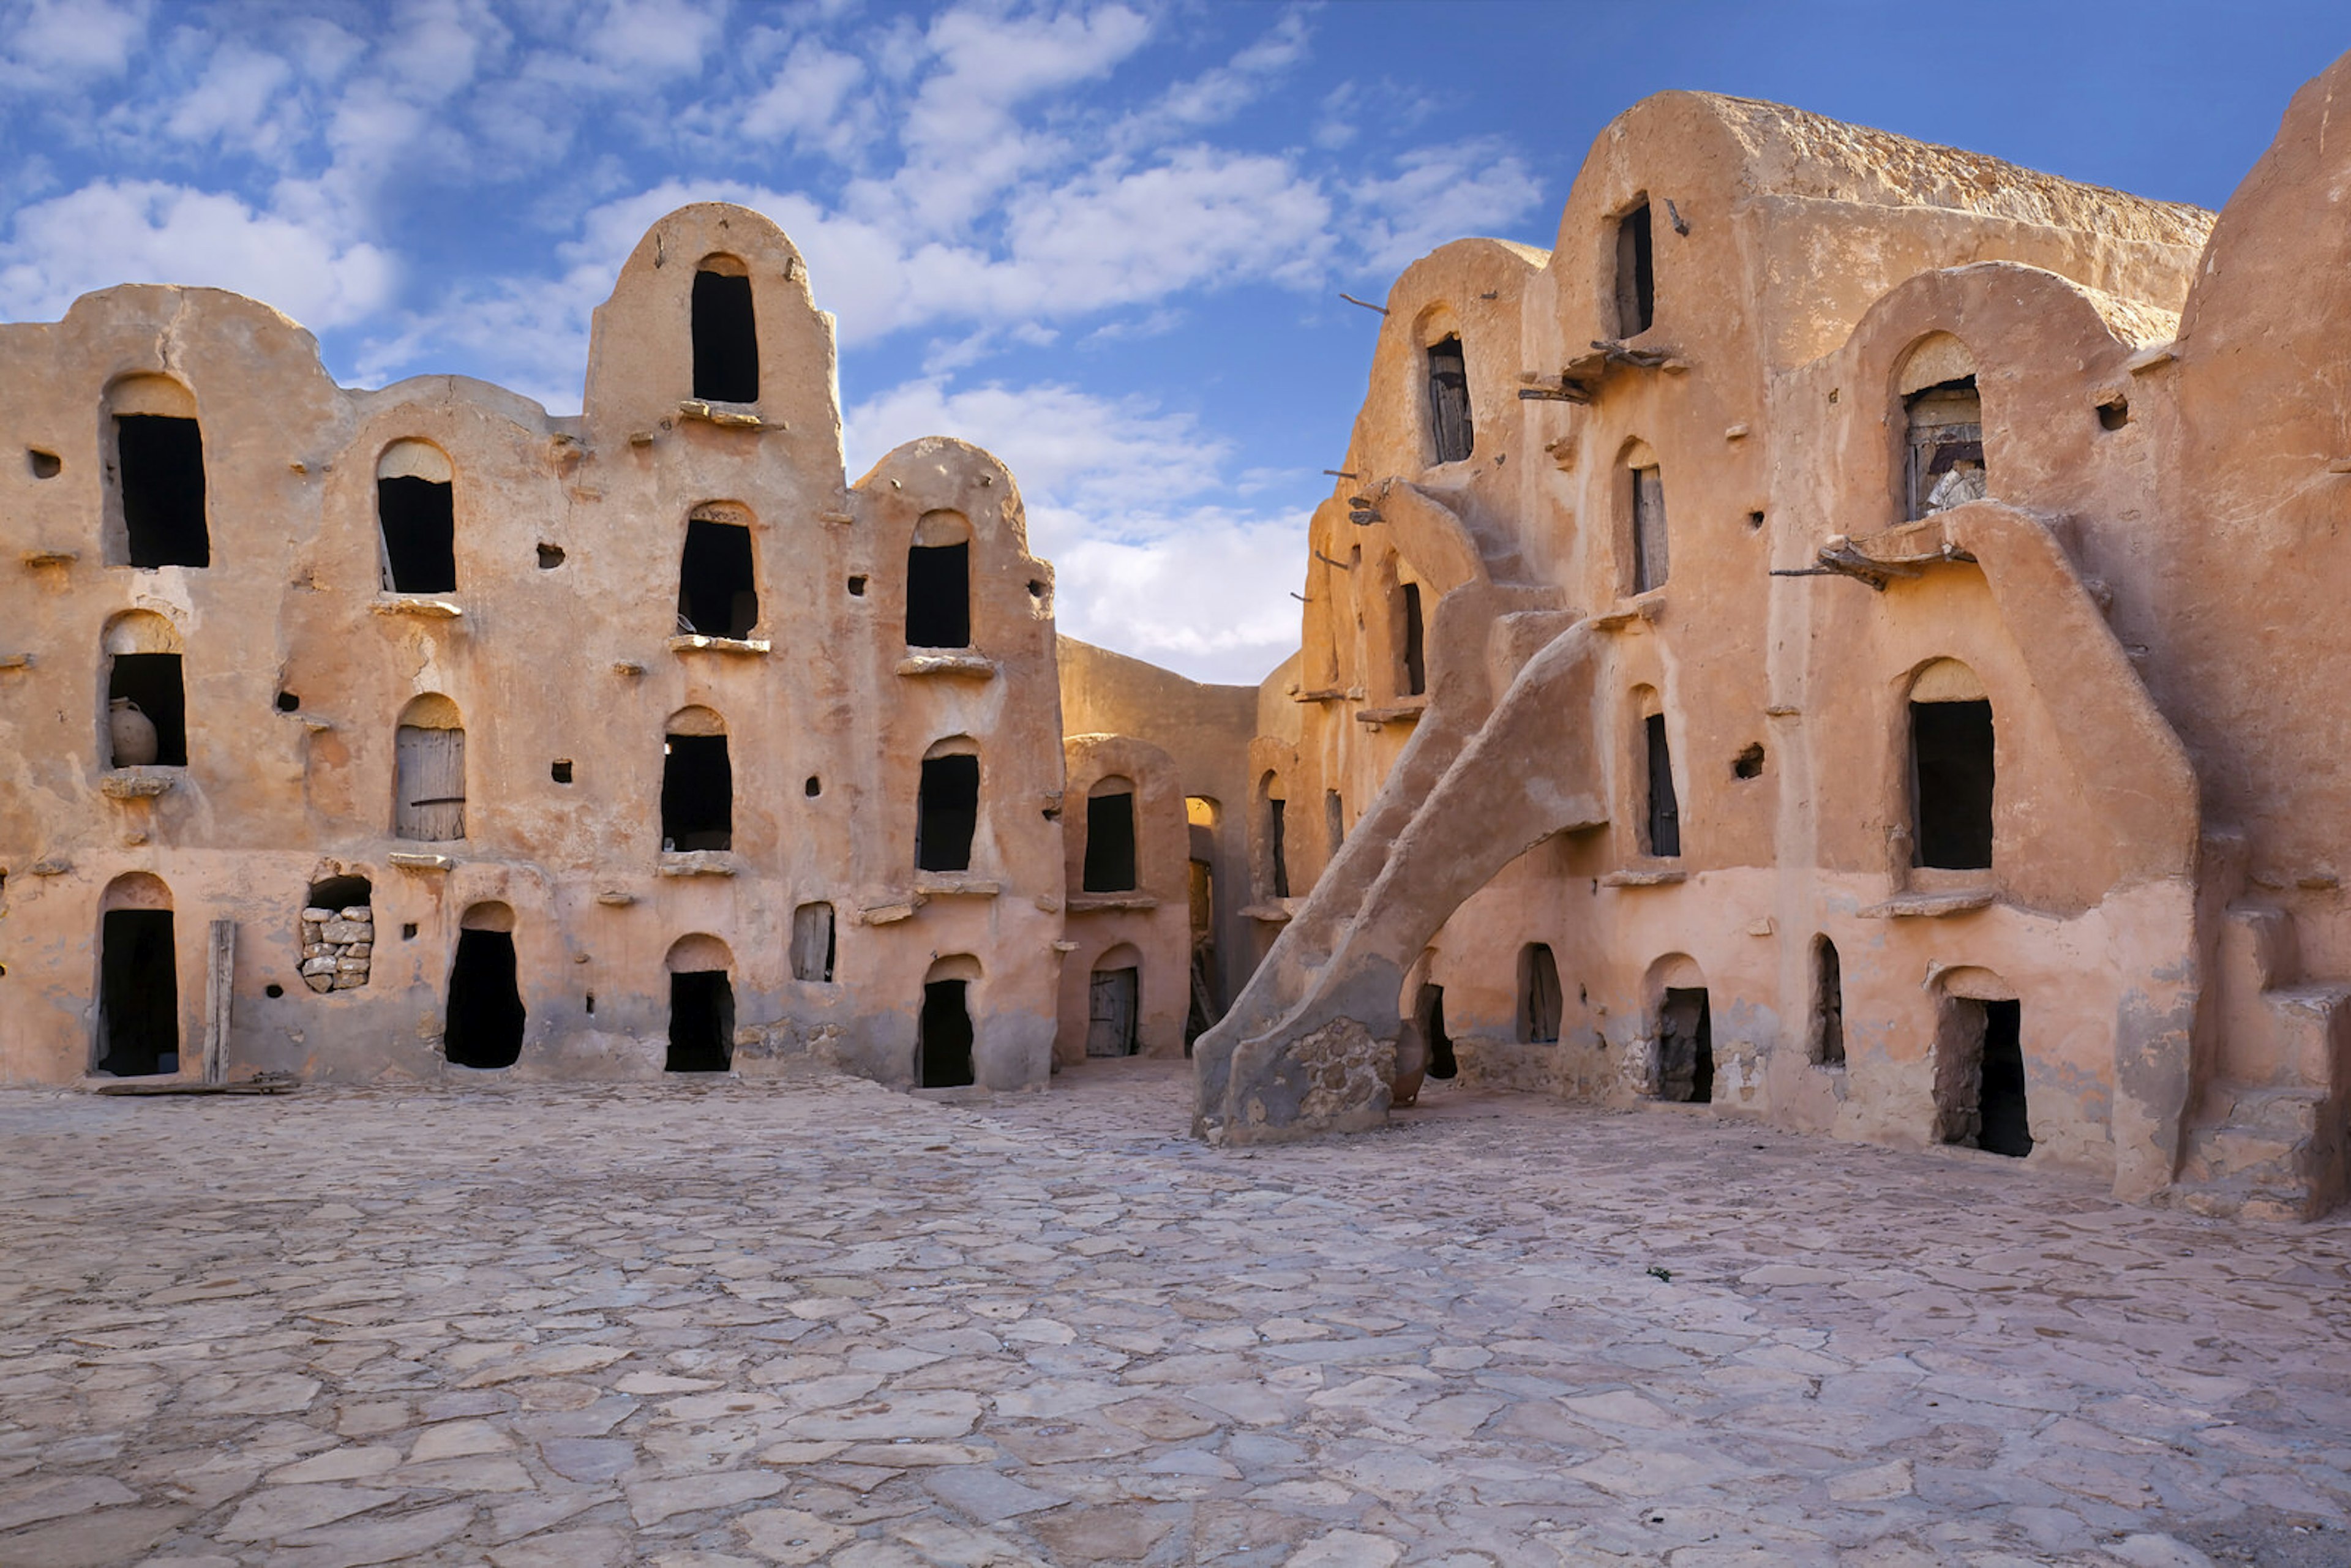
(1850, 637)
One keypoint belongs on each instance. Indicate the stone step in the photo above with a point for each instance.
(2289, 1110)
(2226, 1152)
(2243, 1199)
(2306, 1018)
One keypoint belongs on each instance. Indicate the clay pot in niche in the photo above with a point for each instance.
(130, 733)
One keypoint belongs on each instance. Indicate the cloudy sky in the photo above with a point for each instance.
(1105, 238)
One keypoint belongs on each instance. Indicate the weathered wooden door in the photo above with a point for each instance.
(431, 801)
(1110, 1029)
(1650, 560)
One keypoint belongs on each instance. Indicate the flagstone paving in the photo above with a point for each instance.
(715, 1324)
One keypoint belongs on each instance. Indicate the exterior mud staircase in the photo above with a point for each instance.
(2267, 1137)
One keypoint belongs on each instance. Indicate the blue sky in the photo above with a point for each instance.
(1105, 238)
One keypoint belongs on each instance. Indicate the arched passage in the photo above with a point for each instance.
(485, 1015)
(1683, 1029)
(1115, 1002)
(701, 1005)
(138, 987)
(146, 718)
(943, 1041)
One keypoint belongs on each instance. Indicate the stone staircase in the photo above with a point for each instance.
(2270, 1134)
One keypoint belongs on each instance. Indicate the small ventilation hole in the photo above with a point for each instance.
(550, 557)
(44, 465)
(408, 932)
(1748, 764)
(273, 991)
(857, 588)
(814, 786)
(2114, 414)
(289, 702)
(561, 772)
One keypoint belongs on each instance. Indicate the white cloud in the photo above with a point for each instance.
(652, 39)
(1116, 492)
(144, 231)
(1441, 193)
(808, 101)
(51, 45)
(242, 104)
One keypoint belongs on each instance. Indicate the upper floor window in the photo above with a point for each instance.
(1110, 837)
(717, 595)
(726, 332)
(1636, 283)
(948, 807)
(1413, 645)
(1663, 817)
(429, 777)
(938, 582)
(146, 693)
(1952, 766)
(1643, 493)
(1449, 402)
(416, 511)
(1943, 444)
(156, 452)
(697, 798)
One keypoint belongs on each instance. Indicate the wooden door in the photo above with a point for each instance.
(1110, 1029)
(430, 800)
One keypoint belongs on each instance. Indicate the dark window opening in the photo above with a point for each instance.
(550, 557)
(1952, 761)
(163, 479)
(716, 595)
(1686, 1046)
(698, 803)
(341, 894)
(947, 813)
(938, 596)
(856, 588)
(1334, 821)
(1109, 843)
(1650, 559)
(1416, 656)
(419, 517)
(44, 465)
(137, 994)
(147, 711)
(1276, 834)
(591, 1002)
(1636, 278)
(813, 788)
(431, 768)
(942, 1043)
(289, 702)
(812, 942)
(2114, 414)
(1539, 1001)
(1749, 763)
(560, 770)
(1037, 588)
(485, 1010)
(1430, 1011)
(1980, 1077)
(1946, 448)
(1828, 1004)
(725, 339)
(408, 931)
(701, 1022)
(1449, 402)
(1113, 998)
(1664, 817)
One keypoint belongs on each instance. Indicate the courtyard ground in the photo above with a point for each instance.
(715, 1323)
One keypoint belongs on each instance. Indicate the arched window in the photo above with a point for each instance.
(1450, 432)
(429, 772)
(1643, 490)
(485, 1014)
(938, 582)
(1951, 771)
(1944, 447)
(717, 592)
(1539, 1003)
(1412, 643)
(1636, 285)
(155, 458)
(726, 332)
(416, 511)
(1828, 1004)
(1110, 837)
(1661, 814)
(947, 806)
(697, 802)
(146, 718)
(701, 1006)
(137, 980)
(1684, 1029)
(1276, 838)
(813, 941)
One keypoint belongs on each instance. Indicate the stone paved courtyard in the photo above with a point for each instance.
(715, 1324)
